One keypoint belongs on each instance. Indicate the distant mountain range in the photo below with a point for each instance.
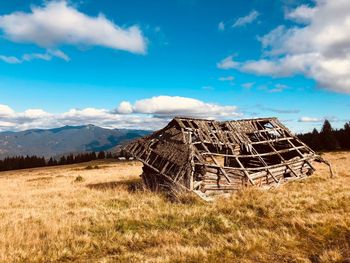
(64, 140)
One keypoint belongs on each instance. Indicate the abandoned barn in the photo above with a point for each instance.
(210, 157)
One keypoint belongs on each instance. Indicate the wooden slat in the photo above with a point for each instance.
(252, 155)
(216, 162)
(254, 169)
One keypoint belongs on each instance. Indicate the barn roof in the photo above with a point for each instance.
(250, 148)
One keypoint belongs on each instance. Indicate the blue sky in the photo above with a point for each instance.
(139, 63)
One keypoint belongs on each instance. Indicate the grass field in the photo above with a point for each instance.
(85, 213)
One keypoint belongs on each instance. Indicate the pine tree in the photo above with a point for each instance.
(329, 141)
(345, 136)
(63, 160)
(70, 159)
(101, 155)
(50, 162)
(315, 141)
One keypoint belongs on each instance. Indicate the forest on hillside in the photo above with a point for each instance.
(328, 139)
(24, 162)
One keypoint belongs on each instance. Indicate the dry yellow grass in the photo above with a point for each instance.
(48, 215)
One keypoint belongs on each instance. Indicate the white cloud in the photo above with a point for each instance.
(248, 85)
(278, 88)
(36, 56)
(10, 59)
(46, 56)
(5, 124)
(265, 67)
(29, 57)
(176, 106)
(125, 107)
(59, 23)
(36, 114)
(37, 118)
(85, 114)
(30, 118)
(278, 110)
(227, 63)
(318, 49)
(221, 26)
(302, 14)
(248, 19)
(284, 67)
(329, 118)
(228, 78)
(151, 113)
(310, 119)
(6, 111)
(59, 54)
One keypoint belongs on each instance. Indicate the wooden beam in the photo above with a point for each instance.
(166, 176)
(216, 162)
(281, 157)
(251, 155)
(257, 168)
(245, 171)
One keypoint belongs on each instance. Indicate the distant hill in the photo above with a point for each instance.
(63, 140)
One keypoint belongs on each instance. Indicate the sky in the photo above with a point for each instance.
(137, 64)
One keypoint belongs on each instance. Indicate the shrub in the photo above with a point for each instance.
(78, 179)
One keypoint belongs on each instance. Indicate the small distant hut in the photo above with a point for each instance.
(210, 157)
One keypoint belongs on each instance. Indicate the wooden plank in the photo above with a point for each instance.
(216, 162)
(254, 169)
(245, 171)
(166, 176)
(300, 153)
(293, 172)
(191, 160)
(276, 122)
(252, 155)
(273, 140)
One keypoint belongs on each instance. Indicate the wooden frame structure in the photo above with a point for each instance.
(210, 157)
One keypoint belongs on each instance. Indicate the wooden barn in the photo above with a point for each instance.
(210, 157)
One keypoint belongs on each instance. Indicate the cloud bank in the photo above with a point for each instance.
(310, 119)
(58, 23)
(317, 46)
(149, 113)
(319, 120)
(168, 106)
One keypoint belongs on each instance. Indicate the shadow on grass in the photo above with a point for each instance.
(131, 185)
(136, 185)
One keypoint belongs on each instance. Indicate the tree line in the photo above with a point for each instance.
(328, 139)
(24, 162)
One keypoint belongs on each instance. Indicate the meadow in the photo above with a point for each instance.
(98, 212)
